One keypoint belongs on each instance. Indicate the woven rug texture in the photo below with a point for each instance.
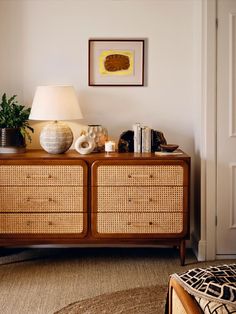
(46, 280)
(147, 300)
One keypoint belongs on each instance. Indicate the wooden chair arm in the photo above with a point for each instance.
(185, 301)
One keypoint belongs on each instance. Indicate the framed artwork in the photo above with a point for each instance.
(115, 62)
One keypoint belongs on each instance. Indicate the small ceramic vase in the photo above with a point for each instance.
(100, 136)
(12, 141)
(84, 144)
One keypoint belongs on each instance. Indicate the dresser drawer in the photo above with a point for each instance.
(42, 199)
(139, 223)
(41, 175)
(130, 175)
(41, 223)
(140, 199)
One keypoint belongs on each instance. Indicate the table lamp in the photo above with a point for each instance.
(55, 103)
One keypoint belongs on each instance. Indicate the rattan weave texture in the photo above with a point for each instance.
(140, 175)
(140, 223)
(41, 223)
(51, 194)
(44, 199)
(140, 199)
(41, 175)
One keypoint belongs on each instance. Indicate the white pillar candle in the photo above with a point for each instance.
(110, 146)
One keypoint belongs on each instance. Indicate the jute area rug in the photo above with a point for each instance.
(145, 300)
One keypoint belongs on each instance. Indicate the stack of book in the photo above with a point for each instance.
(142, 138)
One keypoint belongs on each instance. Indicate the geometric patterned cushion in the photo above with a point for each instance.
(214, 287)
(210, 307)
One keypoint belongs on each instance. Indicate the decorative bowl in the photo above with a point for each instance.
(168, 147)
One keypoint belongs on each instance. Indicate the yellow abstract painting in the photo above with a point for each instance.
(116, 62)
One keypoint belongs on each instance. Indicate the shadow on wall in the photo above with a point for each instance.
(99, 107)
(119, 108)
(196, 195)
(11, 35)
(111, 109)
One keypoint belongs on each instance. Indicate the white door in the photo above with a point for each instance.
(226, 128)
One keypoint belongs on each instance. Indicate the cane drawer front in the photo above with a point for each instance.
(38, 223)
(46, 175)
(148, 174)
(131, 224)
(42, 199)
(140, 199)
(148, 198)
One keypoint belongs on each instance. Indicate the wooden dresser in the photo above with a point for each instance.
(95, 199)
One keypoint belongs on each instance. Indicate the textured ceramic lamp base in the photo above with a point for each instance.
(56, 137)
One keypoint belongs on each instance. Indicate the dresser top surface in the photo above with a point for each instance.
(33, 154)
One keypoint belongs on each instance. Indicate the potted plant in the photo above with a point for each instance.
(14, 125)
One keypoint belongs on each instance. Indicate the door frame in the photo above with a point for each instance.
(207, 243)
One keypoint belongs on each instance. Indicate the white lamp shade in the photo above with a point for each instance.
(55, 103)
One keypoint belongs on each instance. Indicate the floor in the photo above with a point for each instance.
(42, 281)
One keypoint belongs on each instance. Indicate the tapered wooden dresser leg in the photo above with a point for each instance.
(182, 252)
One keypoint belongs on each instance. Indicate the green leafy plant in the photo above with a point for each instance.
(14, 115)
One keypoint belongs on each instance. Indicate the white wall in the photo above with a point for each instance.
(46, 42)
